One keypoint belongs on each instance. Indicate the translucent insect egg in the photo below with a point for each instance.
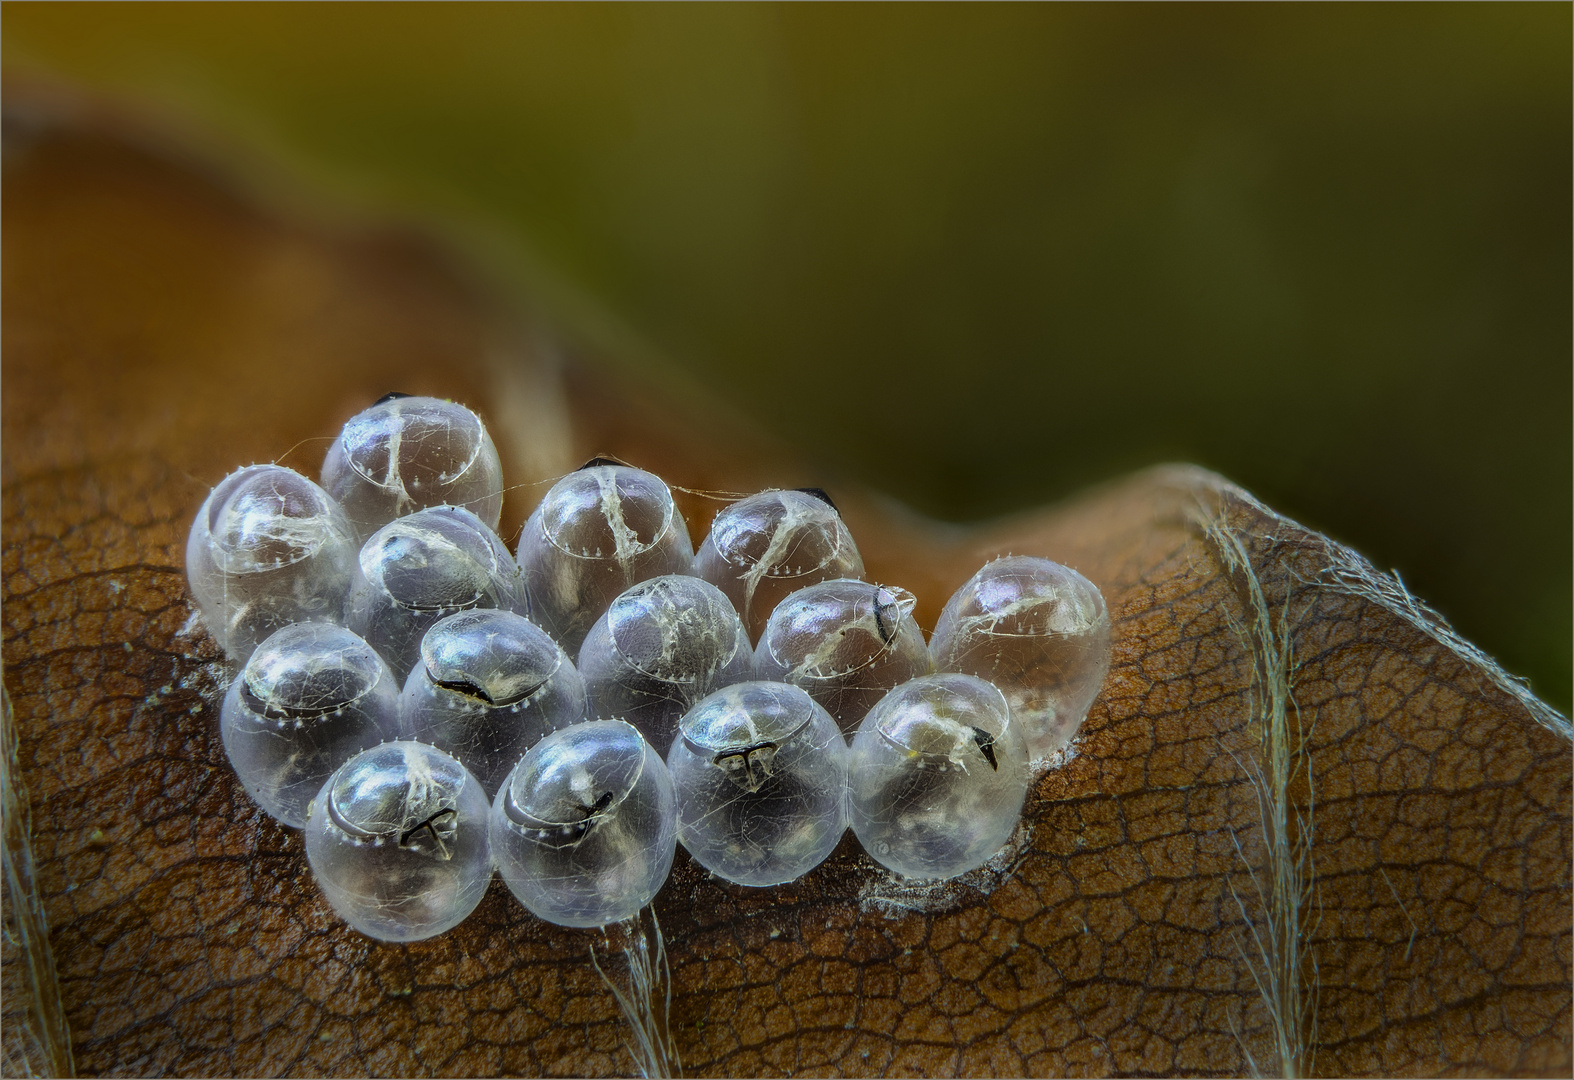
(310, 697)
(597, 532)
(938, 774)
(268, 548)
(661, 647)
(424, 566)
(766, 546)
(1040, 632)
(760, 772)
(584, 827)
(406, 453)
(397, 839)
(490, 684)
(846, 643)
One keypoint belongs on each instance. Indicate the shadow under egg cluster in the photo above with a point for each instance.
(429, 707)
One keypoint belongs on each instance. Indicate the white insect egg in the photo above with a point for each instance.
(424, 566)
(845, 642)
(584, 827)
(938, 774)
(267, 549)
(766, 546)
(397, 839)
(760, 772)
(310, 697)
(597, 532)
(1040, 632)
(406, 453)
(661, 647)
(489, 685)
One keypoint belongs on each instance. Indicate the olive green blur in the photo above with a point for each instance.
(983, 256)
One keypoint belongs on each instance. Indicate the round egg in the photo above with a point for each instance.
(267, 549)
(423, 567)
(767, 546)
(489, 686)
(846, 643)
(938, 774)
(760, 772)
(397, 840)
(310, 697)
(661, 647)
(584, 827)
(1037, 630)
(407, 453)
(597, 532)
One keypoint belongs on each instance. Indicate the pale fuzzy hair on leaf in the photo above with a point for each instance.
(646, 1001)
(37, 1041)
(1276, 949)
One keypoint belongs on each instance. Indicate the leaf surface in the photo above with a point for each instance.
(1280, 722)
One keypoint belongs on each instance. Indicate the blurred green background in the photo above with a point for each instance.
(982, 256)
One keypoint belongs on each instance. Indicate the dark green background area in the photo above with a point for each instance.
(983, 256)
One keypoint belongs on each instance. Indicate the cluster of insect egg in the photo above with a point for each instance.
(408, 691)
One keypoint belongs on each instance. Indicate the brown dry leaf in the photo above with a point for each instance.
(1306, 827)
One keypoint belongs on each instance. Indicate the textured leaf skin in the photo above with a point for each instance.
(160, 332)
